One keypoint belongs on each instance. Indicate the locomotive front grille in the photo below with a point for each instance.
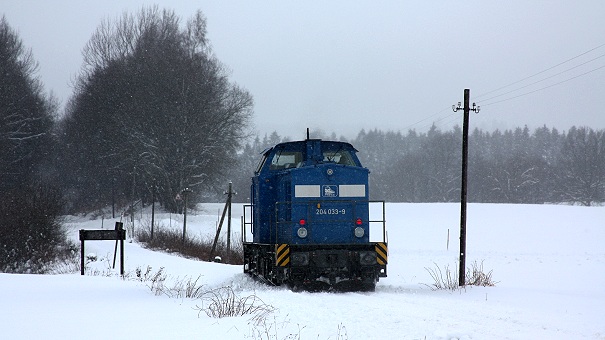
(331, 258)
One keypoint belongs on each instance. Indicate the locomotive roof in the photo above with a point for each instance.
(299, 144)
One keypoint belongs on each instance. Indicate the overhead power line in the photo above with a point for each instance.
(486, 102)
(538, 73)
(544, 79)
(544, 88)
(429, 117)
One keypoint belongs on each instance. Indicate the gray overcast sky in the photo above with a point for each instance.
(341, 66)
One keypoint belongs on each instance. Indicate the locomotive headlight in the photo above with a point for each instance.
(300, 259)
(367, 258)
(302, 232)
(359, 232)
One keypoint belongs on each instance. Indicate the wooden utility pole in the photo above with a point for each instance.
(229, 196)
(227, 208)
(185, 193)
(152, 207)
(466, 110)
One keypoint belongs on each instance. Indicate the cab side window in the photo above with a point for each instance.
(262, 162)
(286, 160)
(339, 157)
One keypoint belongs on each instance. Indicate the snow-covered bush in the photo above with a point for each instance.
(223, 302)
(443, 279)
(171, 240)
(475, 276)
(31, 235)
(447, 280)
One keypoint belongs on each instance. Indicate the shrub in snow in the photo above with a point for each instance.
(447, 280)
(171, 240)
(223, 302)
(31, 235)
(443, 279)
(91, 257)
(475, 276)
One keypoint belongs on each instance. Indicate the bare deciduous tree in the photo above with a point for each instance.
(153, 107)
(26, 113)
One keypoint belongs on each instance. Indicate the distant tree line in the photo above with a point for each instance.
(511, 166)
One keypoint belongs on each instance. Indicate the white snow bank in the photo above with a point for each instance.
(549, 262)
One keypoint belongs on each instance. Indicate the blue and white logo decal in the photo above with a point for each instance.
(329, 191)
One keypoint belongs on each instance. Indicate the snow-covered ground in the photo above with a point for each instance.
(548, 261)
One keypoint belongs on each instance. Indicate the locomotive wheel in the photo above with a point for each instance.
(368, 287)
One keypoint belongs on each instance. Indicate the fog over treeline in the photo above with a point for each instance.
(511, 166)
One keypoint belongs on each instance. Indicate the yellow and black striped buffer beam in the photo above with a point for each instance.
(381, 253)
(282, 255)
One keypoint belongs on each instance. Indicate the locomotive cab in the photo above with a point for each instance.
(310, 218)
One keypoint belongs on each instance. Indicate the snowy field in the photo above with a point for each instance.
(548, 262)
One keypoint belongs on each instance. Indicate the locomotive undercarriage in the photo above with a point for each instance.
(341, 267)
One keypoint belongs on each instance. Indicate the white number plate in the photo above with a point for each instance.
(330, 211)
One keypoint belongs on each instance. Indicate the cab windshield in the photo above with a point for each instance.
(286, 160)
(340, 157)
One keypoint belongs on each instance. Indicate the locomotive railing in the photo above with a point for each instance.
(247, 220)
(381, 218)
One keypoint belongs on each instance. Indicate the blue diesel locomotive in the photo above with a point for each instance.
(310, 219)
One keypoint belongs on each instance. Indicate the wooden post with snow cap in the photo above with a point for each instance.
(229, 194)
(463, 196)
(220, 225)
(185, 193)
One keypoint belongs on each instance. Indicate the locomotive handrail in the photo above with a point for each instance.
(383, 221)
(246, 223)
